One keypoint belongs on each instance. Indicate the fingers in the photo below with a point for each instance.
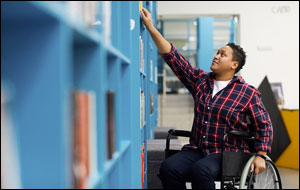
(256, 170)
(144, 10)
(142, 14)
(146, 13)
(252, 167)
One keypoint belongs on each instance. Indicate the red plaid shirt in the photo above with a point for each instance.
(227, 110)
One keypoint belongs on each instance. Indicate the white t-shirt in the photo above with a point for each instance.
(219, 85)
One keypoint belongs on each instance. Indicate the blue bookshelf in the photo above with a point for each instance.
(45, 57)
(148, 80)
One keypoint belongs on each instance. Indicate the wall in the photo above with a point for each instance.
(269, 33)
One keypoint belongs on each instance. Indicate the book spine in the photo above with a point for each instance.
(110, 124)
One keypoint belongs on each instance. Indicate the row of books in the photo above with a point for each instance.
(85, 134)
(153, 73)
(85, 140)
(142, 107)
(84, 12)
(89, 14)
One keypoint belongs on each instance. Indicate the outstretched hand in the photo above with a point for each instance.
(147, 19)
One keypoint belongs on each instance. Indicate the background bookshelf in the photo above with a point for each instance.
(75, 82)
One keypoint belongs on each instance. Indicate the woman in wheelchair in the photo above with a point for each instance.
(222, 102)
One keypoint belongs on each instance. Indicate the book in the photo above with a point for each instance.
(92, 132)
(142, 165)
(74, 9)
(81, 139)
(151, 103)
(106, 9)
(151, 70)
(144, 109)
(141, 108)
(110, 96)
(82, 12)
(155, 75)
(141, 55)
(140, 5)
(10, 166)
(89, 13)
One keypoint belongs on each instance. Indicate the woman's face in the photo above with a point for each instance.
(222, 61)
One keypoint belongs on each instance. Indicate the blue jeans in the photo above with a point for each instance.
(193, 166)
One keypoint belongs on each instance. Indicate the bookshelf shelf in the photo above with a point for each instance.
(77, 92)
(115, 52)
(86, 37)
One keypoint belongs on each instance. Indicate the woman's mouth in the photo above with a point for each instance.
(214, 62)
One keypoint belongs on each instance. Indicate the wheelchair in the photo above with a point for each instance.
(235, 166)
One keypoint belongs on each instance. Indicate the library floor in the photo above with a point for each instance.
(176, 110)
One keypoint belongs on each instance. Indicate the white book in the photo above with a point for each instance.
(10, 166)
(75, 11)
(141, 55)
(150, 6)
(151, 70)
(144, 109)
(141, 108)
(92, 132)
(155, 75)
(89, 13)
(107, 21)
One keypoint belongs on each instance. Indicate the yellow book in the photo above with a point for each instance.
(141, 5)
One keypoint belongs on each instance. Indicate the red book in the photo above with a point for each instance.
(142, 164)
(81, 139)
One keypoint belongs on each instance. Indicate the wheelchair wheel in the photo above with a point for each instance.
(268, 179)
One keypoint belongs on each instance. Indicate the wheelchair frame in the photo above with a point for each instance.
(249, 158)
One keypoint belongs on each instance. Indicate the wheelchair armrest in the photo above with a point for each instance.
(173, 132)
(181, 133)
(241, 134)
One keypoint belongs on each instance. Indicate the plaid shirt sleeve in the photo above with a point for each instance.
(262, 122)
(184, 71)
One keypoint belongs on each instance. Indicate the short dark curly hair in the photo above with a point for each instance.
(238, 55)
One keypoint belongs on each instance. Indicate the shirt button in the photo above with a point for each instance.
(204, 136)
(208, 107)
(205, 122)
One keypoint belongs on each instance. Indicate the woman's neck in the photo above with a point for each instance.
(223, 77)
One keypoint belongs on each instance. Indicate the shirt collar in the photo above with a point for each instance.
(239, 78)
(234, 79)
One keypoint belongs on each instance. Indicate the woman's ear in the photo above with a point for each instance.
(235, 65)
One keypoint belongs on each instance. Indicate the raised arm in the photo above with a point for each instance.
(161, 43)
(184, 71)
